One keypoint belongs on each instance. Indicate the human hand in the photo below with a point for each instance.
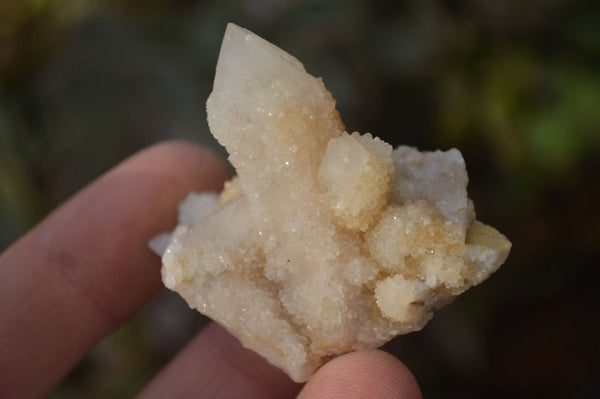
(86, 269)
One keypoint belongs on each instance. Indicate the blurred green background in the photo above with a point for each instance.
(514, 85)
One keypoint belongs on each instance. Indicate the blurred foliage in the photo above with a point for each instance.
(514, 85)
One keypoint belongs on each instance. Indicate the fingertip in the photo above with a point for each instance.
(185, 162)
(363, 374)
(68, 275)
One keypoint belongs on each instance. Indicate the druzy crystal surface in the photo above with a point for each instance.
(325, 242)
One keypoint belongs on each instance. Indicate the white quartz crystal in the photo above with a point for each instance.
(325, 242)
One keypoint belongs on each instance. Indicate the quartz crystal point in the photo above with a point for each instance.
(326, 242)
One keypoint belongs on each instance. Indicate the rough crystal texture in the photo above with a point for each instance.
(326, 242)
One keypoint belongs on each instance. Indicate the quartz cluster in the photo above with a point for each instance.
(325, 242)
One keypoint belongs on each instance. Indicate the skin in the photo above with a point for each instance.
(86, 269)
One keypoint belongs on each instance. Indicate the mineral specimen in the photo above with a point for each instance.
(326, 242)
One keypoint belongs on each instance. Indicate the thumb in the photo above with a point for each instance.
(366, 374)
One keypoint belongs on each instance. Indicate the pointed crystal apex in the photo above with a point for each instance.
(263, 107)
(257, 53)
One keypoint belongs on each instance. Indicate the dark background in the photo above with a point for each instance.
(515, 85)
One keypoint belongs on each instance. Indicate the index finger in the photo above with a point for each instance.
(86, 268)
